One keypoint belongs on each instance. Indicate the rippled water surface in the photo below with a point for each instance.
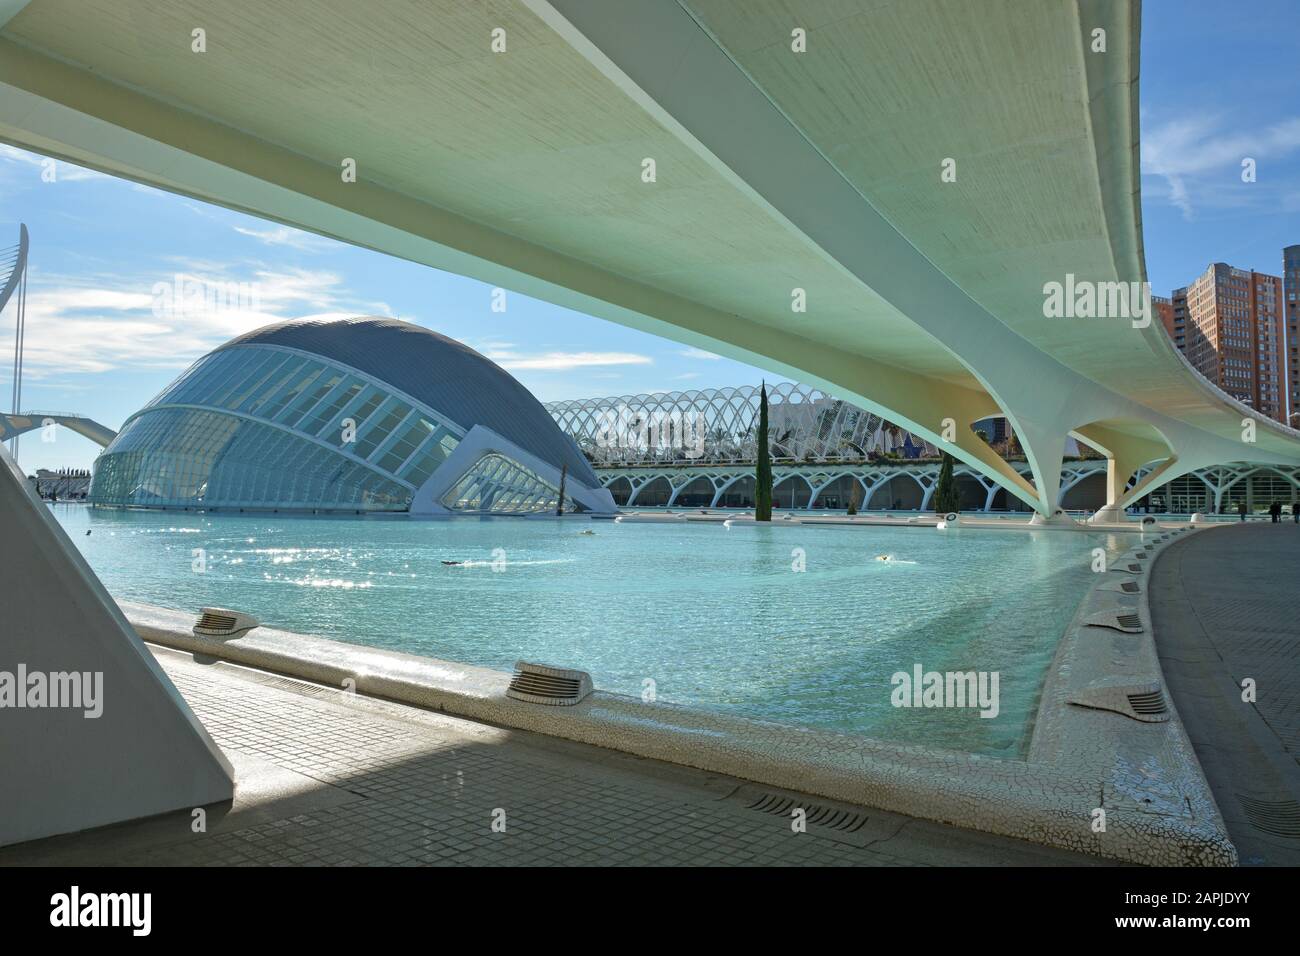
(716, 618)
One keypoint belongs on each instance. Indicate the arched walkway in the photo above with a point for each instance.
(836, 494)
(899, 493)
(696, 493)
(738, 494)
(971, 492)
(791, 492)
(621, 489)
(654, 493)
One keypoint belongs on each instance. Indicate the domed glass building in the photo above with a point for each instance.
(358, 415)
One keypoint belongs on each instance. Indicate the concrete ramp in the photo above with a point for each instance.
(67, 654)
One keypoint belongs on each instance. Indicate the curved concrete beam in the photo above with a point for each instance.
(12, 426)
(661, 56)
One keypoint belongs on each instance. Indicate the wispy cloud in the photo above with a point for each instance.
(695, 353)
(101, 323)
(287, 237)
(36, 166)
(1199, 158)
(563, 361)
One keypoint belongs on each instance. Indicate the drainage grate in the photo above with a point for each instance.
(1149, 704)
(1127, 586)
(1142, 700)
(1118, 620)
(832, 818)
(540, 684)
(1278, 817)
(221, 622)
(212, 621)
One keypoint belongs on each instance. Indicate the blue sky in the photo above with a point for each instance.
(1219, 84)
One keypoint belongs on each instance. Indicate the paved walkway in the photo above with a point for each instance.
(1225, 605)
(326, 778)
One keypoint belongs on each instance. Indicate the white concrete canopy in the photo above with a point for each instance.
(775, 171)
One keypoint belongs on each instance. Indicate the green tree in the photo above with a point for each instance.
(946, 496)
(763, 472)
(564, 473)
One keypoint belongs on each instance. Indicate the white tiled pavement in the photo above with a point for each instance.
(330, 779)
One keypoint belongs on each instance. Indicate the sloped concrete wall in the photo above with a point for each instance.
(62, 770)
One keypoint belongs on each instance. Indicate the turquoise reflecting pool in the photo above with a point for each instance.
(716, 618)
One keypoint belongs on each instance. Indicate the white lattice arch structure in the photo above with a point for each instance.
(721, 425)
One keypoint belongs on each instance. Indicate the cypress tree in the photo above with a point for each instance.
(946, 496)
(763, 473)
(564, 473)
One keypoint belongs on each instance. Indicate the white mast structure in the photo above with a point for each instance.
(13, 278)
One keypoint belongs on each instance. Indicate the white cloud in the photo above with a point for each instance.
(695, 353)
(564, 361)
(1200, 160)
(286, 236)
(165, 321)
(64, 172)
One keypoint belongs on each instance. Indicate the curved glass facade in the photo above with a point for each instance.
(498, 485)
(258, 425)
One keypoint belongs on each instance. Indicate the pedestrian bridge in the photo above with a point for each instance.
(11, 426)
(881, 200)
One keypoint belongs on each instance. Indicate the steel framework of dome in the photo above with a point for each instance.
(719, 425)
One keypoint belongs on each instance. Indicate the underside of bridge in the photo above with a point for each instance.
(872, 197)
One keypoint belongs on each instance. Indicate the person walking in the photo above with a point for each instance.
(1241, 510)
(1275, 511)
(1295, 512)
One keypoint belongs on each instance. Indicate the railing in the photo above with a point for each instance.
(46, 413)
